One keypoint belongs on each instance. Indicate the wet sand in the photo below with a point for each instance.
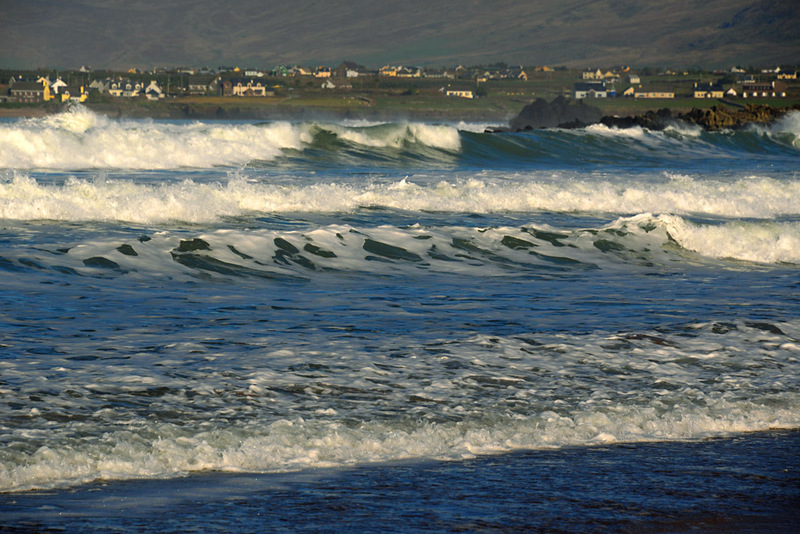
(747, 483)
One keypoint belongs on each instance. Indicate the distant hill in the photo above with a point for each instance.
(262, 33)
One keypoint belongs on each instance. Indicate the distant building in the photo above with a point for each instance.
(322, 72)
(409, 72)
(459, 94)
(763, 90)
(57, 86)
(654, 94)
(124, 87)
(708, 90)
(29, 92)
(98, 85)
(448, 74)
(153, 91)
(245, 87)
(204, 84)
(348, 69)
(590, 90)
(73, 93)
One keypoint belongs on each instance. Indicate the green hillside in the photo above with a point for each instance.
(575, 33)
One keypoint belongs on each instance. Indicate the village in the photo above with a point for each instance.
(355, 85)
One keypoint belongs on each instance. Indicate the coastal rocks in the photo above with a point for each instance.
(561, 112)
(565, 113)
(720, 117)
(652, 120)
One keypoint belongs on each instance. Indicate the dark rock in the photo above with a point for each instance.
(652, 120)
(565, 113)
(721, 117)
(561, 112)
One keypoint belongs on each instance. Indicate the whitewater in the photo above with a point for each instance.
(184, 297)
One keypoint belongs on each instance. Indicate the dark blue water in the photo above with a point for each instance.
(404, 327)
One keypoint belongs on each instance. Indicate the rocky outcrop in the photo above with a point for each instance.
(652, 120)
(561, 112)
(565, 113)
(721, 117)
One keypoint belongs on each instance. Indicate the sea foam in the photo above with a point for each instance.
(564, 391)
(114, 198)
(80, 139)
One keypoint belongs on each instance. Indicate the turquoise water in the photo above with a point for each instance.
(272, 299)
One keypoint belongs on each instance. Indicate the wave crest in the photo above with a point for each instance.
(107, 199)
(81, 139)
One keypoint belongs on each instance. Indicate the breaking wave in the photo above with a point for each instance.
(108, 198)
(630, 243)
(80, 139)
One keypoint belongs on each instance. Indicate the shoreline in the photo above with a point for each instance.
(722, 484)
(267, 111)
(571, 114)
(561, 113)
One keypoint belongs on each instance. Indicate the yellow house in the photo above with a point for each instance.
(459, 94)
(708, 90)
(48, 96)
(74, 93)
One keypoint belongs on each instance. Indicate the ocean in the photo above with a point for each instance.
(354, 326)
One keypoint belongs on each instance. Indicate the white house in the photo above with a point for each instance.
(125, 87)
(247, 87)
(590, 90)
(58, 86)
(153, 91)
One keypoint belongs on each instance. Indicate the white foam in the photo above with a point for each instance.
(108, 199)
(788, 125)
(762, 242)
(635, 132)
(397, 135)
(80, 139)
(163, 450)
(505, 394)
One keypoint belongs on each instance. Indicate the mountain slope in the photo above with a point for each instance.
(577, 33)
